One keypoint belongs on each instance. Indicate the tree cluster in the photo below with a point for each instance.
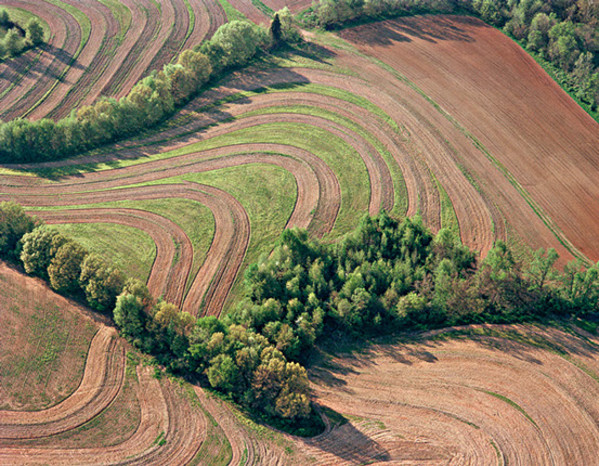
(226, 356)
(390, 275)
(563, 32)
(385, 276)
(16, 40)
(150, 101)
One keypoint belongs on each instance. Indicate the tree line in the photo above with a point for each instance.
(384, 277)
(565, 33)
(149, 102)
(222, 354)
(390, 276)
(17, 40)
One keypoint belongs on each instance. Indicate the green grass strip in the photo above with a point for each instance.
(131, 250)
(232, 13)
(511, 403)
(122, 14)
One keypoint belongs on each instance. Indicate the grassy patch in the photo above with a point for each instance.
(216, 449)
(232, 13)
(131, 250)
(44, 347)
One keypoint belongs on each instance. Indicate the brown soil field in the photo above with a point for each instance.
(109, 63)
(52, 334)
(112, 414)
(500, 95)
(497, 395)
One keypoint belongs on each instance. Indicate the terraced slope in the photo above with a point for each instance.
(98, 48)
(498, 395)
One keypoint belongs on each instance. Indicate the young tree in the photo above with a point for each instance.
(34, 32)
(14, 223)
(65, 267)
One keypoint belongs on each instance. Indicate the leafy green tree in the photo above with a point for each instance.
(39, 248)
(14, 42)
(65, 267)
(34, 32)
(101, 283)
(14, 224)
(223, 373)
(129, 316)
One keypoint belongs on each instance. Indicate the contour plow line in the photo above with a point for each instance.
(102, 381)
(168, 277)
(181, 426)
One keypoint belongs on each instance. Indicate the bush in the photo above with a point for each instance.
(14, 223)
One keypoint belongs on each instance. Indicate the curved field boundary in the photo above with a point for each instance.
(168, 277)
(513, 395)
(101, 382)
(89, 54)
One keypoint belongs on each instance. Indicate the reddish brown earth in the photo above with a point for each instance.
(104, 66)
(499, 94)
(508, 397)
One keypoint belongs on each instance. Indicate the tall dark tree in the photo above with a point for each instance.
(275, 29)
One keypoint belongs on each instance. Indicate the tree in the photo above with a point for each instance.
(101, 283)
(223, 373)
(65, 267)
(129, 316)
(5, 19)
(34, 32)
(14, 223)
(39, 248)
(275, 29)
(13, 41)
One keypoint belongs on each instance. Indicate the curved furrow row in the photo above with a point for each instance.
(168, 276)
(466, 402)
(92, 60)
(55, 57)
(165, 413)
(76, 66)
(315, 209)
(102, 380)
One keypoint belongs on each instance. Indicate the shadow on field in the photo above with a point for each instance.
(189, 125)
(350, 445)
(428, 28)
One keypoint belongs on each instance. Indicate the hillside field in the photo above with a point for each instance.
(439, 116)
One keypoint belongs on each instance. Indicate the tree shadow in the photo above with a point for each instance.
(347, 443)
(204, 112)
